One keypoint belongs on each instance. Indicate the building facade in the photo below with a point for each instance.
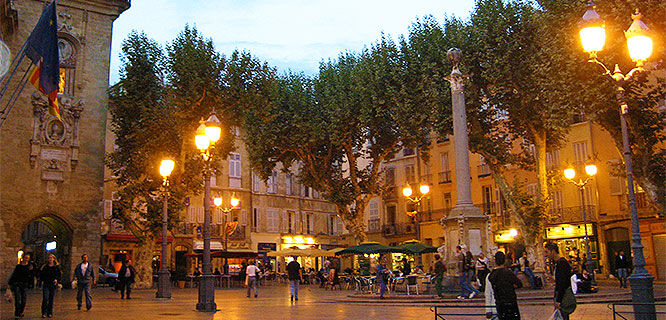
(51, 171)
(601, 208)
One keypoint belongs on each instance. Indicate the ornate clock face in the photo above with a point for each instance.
(65, 49)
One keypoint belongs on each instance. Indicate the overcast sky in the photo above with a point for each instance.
(289, 34)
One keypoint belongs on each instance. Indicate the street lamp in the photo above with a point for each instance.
(640, 49)
(164, 281)
(234, 202)
(208, 134)
(407, 191)
(570, 174)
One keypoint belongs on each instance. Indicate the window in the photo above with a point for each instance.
(340, 226)
(213, 180)
(552, 158)
(409, 174)
(308, 223)
(291, 222)
(288, 184)
(256, 182)
(617, 186)
(444, 161)
(272, 182)
(373, 210)
(272, 220)
(390, 214)
(195, 214)
(306, 191)
(255, 219)
(487, 193)
(390, 176)
(234, 165)
(580, 151)
(108, 209)
(331, 225)
(557, 199)
(447, 200)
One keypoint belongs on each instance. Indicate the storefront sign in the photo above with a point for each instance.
(263, 247)
(564, 231)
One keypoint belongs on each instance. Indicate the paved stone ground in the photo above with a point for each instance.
(272, 303)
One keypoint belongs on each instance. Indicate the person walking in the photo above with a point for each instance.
(439, 268)
(465, 271)
(622, 264)
(295, 274)
(501, 285)
(126, 276)
(382, 276)
(252, 274)
(50, 276)
(564, 299)
(19, 281)
(84, 274)
(482, 270)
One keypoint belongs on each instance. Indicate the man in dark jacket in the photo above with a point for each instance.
(501, 290)
(126, 278)
(562, 276)
(622, 265)
(19, 281)
(84, 274)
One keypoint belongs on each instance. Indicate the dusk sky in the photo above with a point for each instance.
(290, 34)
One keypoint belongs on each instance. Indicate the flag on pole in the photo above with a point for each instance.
(42, 50)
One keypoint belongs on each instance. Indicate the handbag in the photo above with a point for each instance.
(568, 304)
(247, 279)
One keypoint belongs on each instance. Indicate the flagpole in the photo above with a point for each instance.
(14, 63)
(12, 99)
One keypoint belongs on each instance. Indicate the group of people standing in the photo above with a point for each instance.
(50, 275)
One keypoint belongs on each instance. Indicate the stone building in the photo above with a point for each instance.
(51, 172)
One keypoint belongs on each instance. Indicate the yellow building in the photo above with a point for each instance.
(605, 199)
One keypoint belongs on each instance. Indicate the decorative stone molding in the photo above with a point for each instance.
(54, 147)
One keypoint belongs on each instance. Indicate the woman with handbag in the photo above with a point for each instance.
(564, 301)
(50, 275)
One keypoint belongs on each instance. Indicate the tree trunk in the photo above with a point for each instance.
(542, 199)
(353, 223)
(143, 258)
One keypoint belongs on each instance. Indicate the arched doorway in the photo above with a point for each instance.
(617, 239)
(46, 235)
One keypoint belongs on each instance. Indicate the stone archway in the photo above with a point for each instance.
(48, 229)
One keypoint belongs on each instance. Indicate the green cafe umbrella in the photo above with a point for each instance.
(367, 248)
(415, 247)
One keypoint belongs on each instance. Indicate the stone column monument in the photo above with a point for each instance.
(466, 224)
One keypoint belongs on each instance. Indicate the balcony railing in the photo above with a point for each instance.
(445, 177)
(572, 214)
(483, 170)
(374, 225)
(398, 229)
(488, 208)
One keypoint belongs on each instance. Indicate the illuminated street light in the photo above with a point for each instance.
(639, 44)
(164, 281)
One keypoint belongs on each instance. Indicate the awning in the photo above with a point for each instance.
(226, 254)
(124, 237)
(214, 245)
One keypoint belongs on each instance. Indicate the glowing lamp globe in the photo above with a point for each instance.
(638, 39)
(569, 173)
(166, 166)
(591, 170)
(592, 30)
(424, 188)
(513, 233)
(407, 191)
(234, 201)
(212, 128)
(217, 201)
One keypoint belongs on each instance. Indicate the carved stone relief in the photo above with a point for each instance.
(54, 147)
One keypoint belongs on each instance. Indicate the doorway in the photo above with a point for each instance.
(49, 235)
(617, 239)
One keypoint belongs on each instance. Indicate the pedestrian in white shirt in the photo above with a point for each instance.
(252, 273)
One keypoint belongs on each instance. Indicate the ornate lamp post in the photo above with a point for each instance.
(570, 174)
(424, 189)
(593, 36)
(164, 281)
(234, 202)
(208, 134)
